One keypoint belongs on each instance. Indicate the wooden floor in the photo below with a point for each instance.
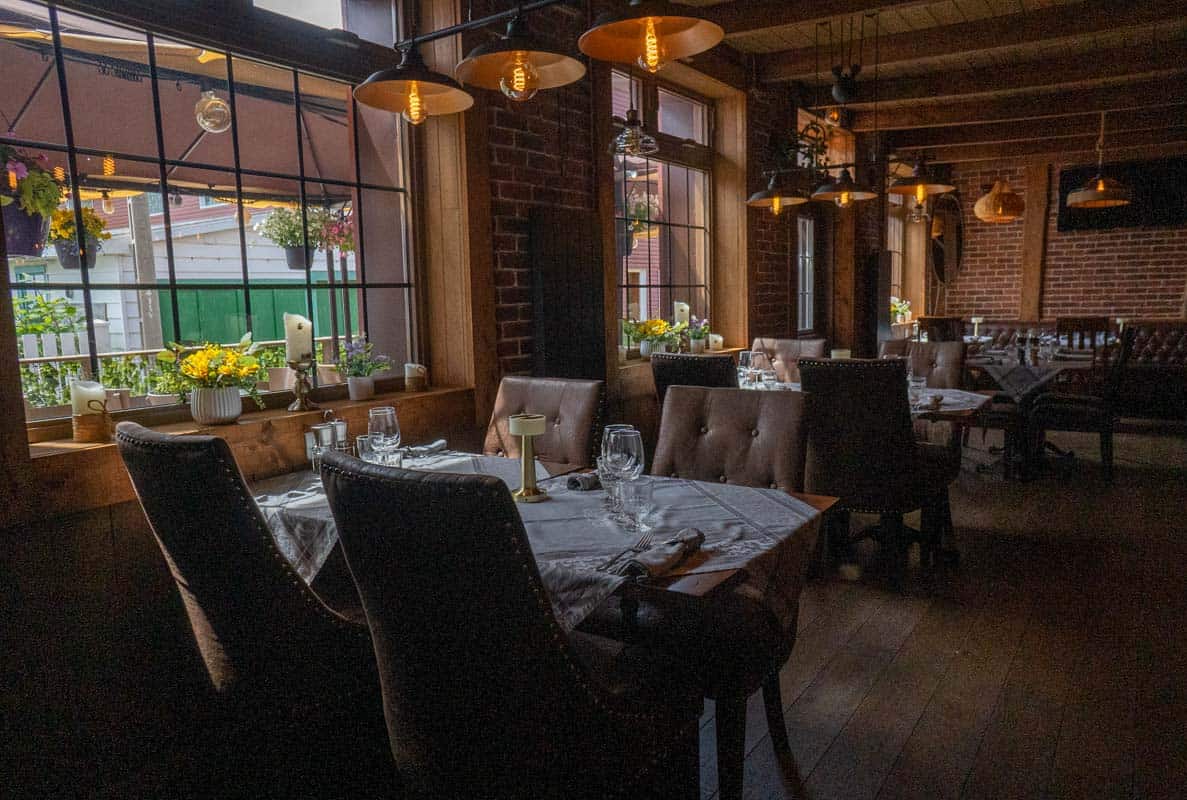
(1052, 663)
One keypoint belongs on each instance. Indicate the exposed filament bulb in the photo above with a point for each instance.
(654, 54)
(920, 194)
(415, 112)
(776, 205)
(844, 200)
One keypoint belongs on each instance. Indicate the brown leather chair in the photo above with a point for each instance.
(295, 707)
(736, 644)
(861, 448)
(485, 694)
(942, 329)
(683, 369)
(573, 409)
(942, 363)
(783, 355)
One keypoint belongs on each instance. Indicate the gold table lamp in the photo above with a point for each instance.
(527, 427)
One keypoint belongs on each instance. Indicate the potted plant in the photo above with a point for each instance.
(165, 384)
(214, 376)
(359, 364)
(655, 335)
(62, 234)
(282, 227)
(698, 334)
(641, 211)
(900, 310)
(29, 196)
(337, 230)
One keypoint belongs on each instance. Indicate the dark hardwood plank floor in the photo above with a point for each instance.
(1052, 663)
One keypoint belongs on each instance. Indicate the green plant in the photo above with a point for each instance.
(30, 184)
(214, 366)
(358, 360)
(698, 328)
(61, 225)
(282, 227)
(37, 314)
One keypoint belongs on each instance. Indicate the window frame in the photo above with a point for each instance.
(808, 298)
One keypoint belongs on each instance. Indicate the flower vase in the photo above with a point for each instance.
(360, 388)
(696, 346)
(899, 319)
(215, 405)
(647, 347)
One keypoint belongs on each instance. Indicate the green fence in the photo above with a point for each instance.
(217, 315)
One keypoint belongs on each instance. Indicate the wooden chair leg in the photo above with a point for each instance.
(1106, 454)
(772, 699)
(731, 746)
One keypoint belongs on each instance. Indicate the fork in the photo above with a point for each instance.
(638, 547)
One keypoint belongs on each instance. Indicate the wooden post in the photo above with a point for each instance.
(1034, 239)
(151, 335)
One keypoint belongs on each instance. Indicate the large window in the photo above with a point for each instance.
(219, 193)
(662, 203)
(806, 273)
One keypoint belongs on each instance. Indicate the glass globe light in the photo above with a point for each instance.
(520, 79)
(212, 113)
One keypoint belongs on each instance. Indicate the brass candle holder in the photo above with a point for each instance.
(527, 427)
(302, 386)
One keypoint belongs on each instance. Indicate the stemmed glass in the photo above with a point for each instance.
(758, 362)
(625, 458)
(383, 429)
(743, 367)
(606, 475)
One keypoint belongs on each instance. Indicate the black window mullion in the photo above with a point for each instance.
(238, 189)
(304, 217)
(72, 166)
(156, 104)
(357, 215)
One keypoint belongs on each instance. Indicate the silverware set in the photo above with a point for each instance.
(638, 547)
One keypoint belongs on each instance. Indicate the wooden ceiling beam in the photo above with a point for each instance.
(990, 33)
(1147, 94)
(1081, 148)
(751, 16)
(1070, 126)
(1082, 70)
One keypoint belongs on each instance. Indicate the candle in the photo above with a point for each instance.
(526, 424)
(716, 341)
(680, 312)
(83, 394)
(298, 338)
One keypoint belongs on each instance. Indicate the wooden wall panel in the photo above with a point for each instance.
(1034, 238)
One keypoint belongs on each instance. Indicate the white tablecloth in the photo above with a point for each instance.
(768, 533)
(954, 401)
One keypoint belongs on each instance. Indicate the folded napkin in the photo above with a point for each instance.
(423, 450)
(583, 482)
(664, 557)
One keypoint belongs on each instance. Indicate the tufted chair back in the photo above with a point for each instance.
(942, 363)
(572, 408)
(783, 354)
(1159, 342)
(483, 694)
(681, 369)
(942, 329)
(861, 444)
(733, 436)
(1002, 333)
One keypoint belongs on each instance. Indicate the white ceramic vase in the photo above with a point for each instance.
(360, 388)
(647, 347)
(215, 406)
(696, 345)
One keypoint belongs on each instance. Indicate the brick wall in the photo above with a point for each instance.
(1126, 272)
(770, 240)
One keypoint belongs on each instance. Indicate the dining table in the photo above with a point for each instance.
(955, 405)
(757, 541)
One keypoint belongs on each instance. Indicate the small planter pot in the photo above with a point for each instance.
(215, 406)
(68, 253)
(360, 388)
(646, 348)
(297, 258)
(24, 234)
(696, 346)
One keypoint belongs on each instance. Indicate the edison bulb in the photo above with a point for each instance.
(843, 200)
(415, 113)
(12, 180)
(776, 205)
(920, 194)
(212, 113)
(519, 80)
(106, 203)
(654, 53)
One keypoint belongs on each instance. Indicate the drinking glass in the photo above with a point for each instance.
(637, 504)
(384, 431)
(916, 385)
(743, 368)
(625, 457)
(758, 362)
(609, 429)
(610, 482)
(362, 446)
(769, 379)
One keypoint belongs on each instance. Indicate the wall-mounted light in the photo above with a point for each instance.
(649, 33)
(518, 65)
(413, 90)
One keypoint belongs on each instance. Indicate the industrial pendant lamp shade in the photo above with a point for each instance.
(1100, 192)
(843, 191)
(919, 185)
(517, 65)
(632, 140)
(649, 33)
(777, 196)
(413, 90)
(999, 204)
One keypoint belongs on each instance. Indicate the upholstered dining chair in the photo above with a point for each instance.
(862, 449)
(485, 694)
(295, 707)
(783, 355)
(572, 408)
(737, 644)
(684, 369)
(941, 363)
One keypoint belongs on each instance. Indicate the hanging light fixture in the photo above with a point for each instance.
(633, 140)
(212, 113)
(1100, 192)
(649, 33)
(999, 204)
(106, 203)
(518, 65)
(413, 90)
(919, 185)
(779, 194)
(844, 191)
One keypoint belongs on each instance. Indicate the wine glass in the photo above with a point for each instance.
(605, 475)
(758, 362)
(384, 431)
(743, 367)
(625, 459)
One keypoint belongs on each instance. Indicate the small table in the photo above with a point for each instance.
(760, 540)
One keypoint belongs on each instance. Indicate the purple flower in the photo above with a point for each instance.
(18, 168)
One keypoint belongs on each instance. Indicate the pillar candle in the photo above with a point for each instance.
(680, 312)
(716, 341)
(298, 338)
(81, 395)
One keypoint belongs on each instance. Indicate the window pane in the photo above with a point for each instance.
(380, 161)
(389, 321)
(381, 224)
(266, 117)
(30, 74)
(187, 75)
(325, 131)
(50, 333)
(317, 12)
(683, 117)
(624, 94)
(208, 314)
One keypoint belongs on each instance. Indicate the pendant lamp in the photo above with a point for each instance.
(518, 65)
(778, 195)
(633, 140)
(919, 185)
(1100, 192)
(413, 90)
(999, 204)
(844, 191)
(649, 33)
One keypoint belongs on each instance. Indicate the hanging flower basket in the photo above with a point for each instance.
(24, 233)
(297, 258)
(67, 251)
